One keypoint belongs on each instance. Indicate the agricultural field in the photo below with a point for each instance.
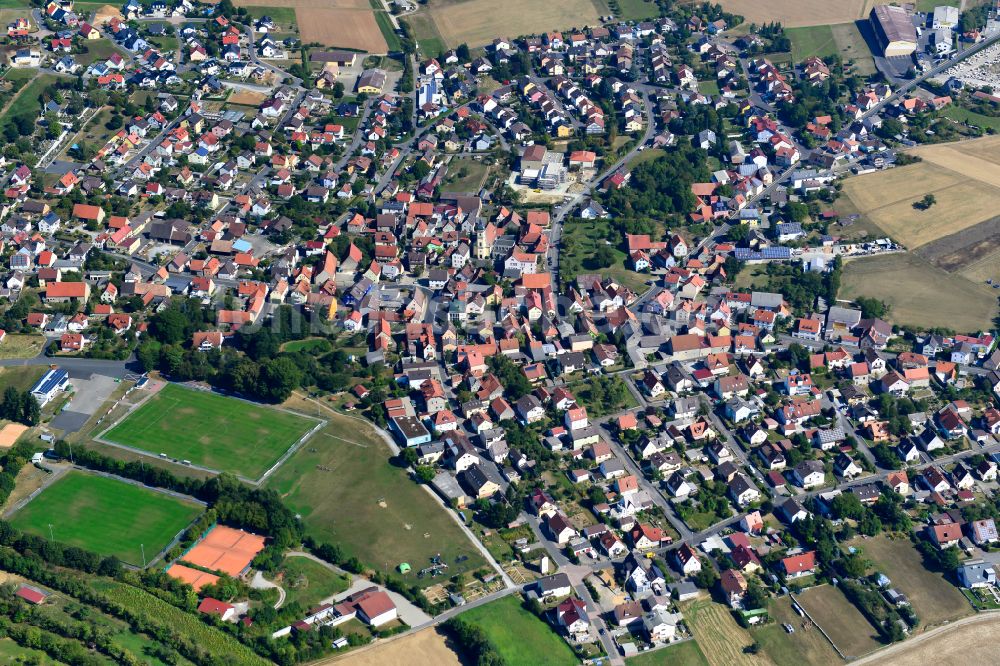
(827, 41)
(971, 641)
(210, 430)
(908, 284)
(430, 43)
(796, 13)
(520, 637)
(217, 642)
(806, 645)
(935, 600)
(720, 638)
(683, 654)
(954, 244)
(427, 646)
(634, 10)
(106, 516)
(345, 23)
(478, 22)
(308, 582)
(838, 617)
(348, 493)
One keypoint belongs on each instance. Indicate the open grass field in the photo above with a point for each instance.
(98, 50)
(429, 41)
(807, 645)
(683, 654)
(16, 345)
(935, 600)
(844, 623)
(308, 582)
(12, 653)
(22, 378)
(520, 637)
(582, 238)
(283, 17)
(26, 103)
(465, 175)
(106, 516)
(920, 294)
(968, 117)
(636, 10)
(478, 22)
(720, 638)
(827, 41)
(348, 493)
(210, 430)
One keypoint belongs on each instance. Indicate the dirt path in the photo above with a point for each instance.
(967, 642)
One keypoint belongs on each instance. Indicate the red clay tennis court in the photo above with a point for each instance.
(193, 577)
(225, 549)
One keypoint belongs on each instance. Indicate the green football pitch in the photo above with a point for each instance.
(106, 516)
(210, 430)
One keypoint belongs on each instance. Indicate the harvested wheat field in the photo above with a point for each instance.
(342, 23)
(478, 22)
(968, 642)
(719, 637)
(977, 159)
(886, 199)
(346, 28)
(797, 13)
(423, 647)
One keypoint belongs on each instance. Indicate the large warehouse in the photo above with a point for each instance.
(894, 30)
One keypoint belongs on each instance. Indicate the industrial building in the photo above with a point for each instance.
(894, 30)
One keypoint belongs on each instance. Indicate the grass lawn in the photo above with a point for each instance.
(683, 654)
(806, 645)
(843, 623)
(580, 242)
(388, 32)
(425, 32)
(349, 494)
(283, 17)
(708, 87)
(520, 637)
(720, 638)
(968, 117)
(97, 50)
(647, 155)
(308, 582)
(22, 378)
(311, 344)
(935, 600)
(106, 516)
(16, 345)
(827, 41)
(465, 175)
(26, 101)
(637, 10)
(12, 653)
(19, 75)
(597, 406)
(210, 430)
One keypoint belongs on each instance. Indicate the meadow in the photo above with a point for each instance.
(210, 430)
(106, 516)
(348, 493)
(520, 637)
(846, 626)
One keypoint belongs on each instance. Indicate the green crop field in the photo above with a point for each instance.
(349, 494)
(106, 516)
(210, 430)
(520, 637)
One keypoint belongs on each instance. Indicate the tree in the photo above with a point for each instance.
(926, 202)
(278, 378)
(169, 326)
(706, 578)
